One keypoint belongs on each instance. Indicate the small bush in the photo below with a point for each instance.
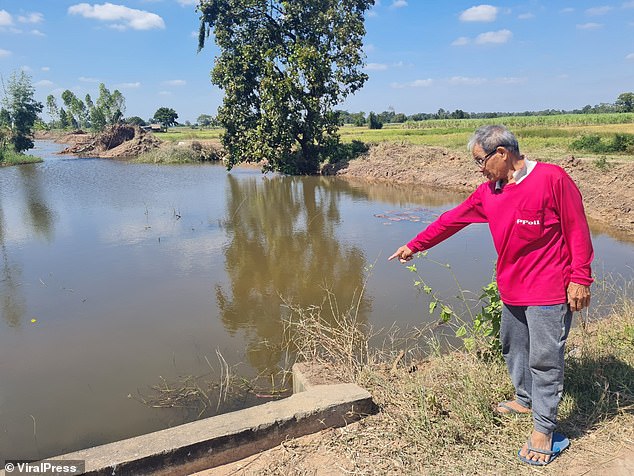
(619, 143)
(602, 163)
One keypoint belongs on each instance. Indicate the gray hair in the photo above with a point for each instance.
(490, 137)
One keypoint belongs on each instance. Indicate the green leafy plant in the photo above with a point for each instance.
(602, 163)
(479, 332)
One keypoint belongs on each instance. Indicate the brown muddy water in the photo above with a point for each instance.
(118, 280)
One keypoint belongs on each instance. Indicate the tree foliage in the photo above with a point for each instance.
(374, 122)
(106, 111)
(135, 121)
(19, 111)
(205, 120)
(166, 116)
(625, 102)
(76, 112)
(284, 66)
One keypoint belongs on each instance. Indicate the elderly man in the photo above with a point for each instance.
(536, 217)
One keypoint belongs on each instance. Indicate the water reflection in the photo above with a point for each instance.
(39, 221)
(40, 215)
(13, 304)
(283, 245)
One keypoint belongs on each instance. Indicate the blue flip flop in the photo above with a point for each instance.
(560, 443)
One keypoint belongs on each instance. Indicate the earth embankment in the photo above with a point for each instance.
(607, 188)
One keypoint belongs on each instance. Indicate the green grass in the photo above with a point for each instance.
(543, 137)
(177, 154)
(176, 134)
(10, 157)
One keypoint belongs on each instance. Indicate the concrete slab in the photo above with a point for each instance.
(222, 439)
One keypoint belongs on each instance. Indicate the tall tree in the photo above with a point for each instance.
(20, 110)
(52, 109)
(75, 109)
(205, 120)
(110, 104)
(166, 116)
(625, 102)
(284, 65)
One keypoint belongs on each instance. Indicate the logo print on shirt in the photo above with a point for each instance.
(526, 222)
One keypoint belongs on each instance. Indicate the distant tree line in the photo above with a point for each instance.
(624, 103)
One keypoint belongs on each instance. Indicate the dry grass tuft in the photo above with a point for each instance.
(436, 413)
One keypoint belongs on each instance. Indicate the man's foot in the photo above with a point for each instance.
(511, 407)
(538, 441)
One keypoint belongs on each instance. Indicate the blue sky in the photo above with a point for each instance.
(421, 55)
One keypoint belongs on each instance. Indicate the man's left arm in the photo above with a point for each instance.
(574, 226)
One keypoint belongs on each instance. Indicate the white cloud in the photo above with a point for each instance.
(463, 40)
(526, 16)
(598, 11)
(165, 93)
(5, 18)
(589, 26)
(34, 17)
(497, 37)
(376, 67)
(567, 10)
(371, 13)
(399, 4)
(462, 80)
(628, 5)
(128, 85)
(510, 80)
(26, 69)
(630, 57)
(37, 33)
(369, 48)
(419, 83)
(5, 53)
(175, 82)
(188, 2)
(481, 13)
(84, 79)
(45, 68)
(118, 16)
(45, 83)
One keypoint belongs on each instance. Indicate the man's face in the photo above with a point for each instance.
(492, 163)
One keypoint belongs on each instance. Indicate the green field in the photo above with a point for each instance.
(540, 136)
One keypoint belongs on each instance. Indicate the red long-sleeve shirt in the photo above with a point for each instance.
(539, 229)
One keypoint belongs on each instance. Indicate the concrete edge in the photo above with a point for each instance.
(223, 439)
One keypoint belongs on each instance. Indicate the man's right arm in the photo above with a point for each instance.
(449, 223)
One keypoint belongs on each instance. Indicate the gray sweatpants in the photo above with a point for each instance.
(533, 340)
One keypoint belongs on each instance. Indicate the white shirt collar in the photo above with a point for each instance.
(518, 175)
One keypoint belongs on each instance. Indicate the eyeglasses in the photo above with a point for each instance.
(480, 161)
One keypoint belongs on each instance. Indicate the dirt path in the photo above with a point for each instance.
(608, 191)
(309, 456)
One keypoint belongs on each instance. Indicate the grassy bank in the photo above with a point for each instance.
(544, 137)
(192, 152)
(436, 410)
(10, 157)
